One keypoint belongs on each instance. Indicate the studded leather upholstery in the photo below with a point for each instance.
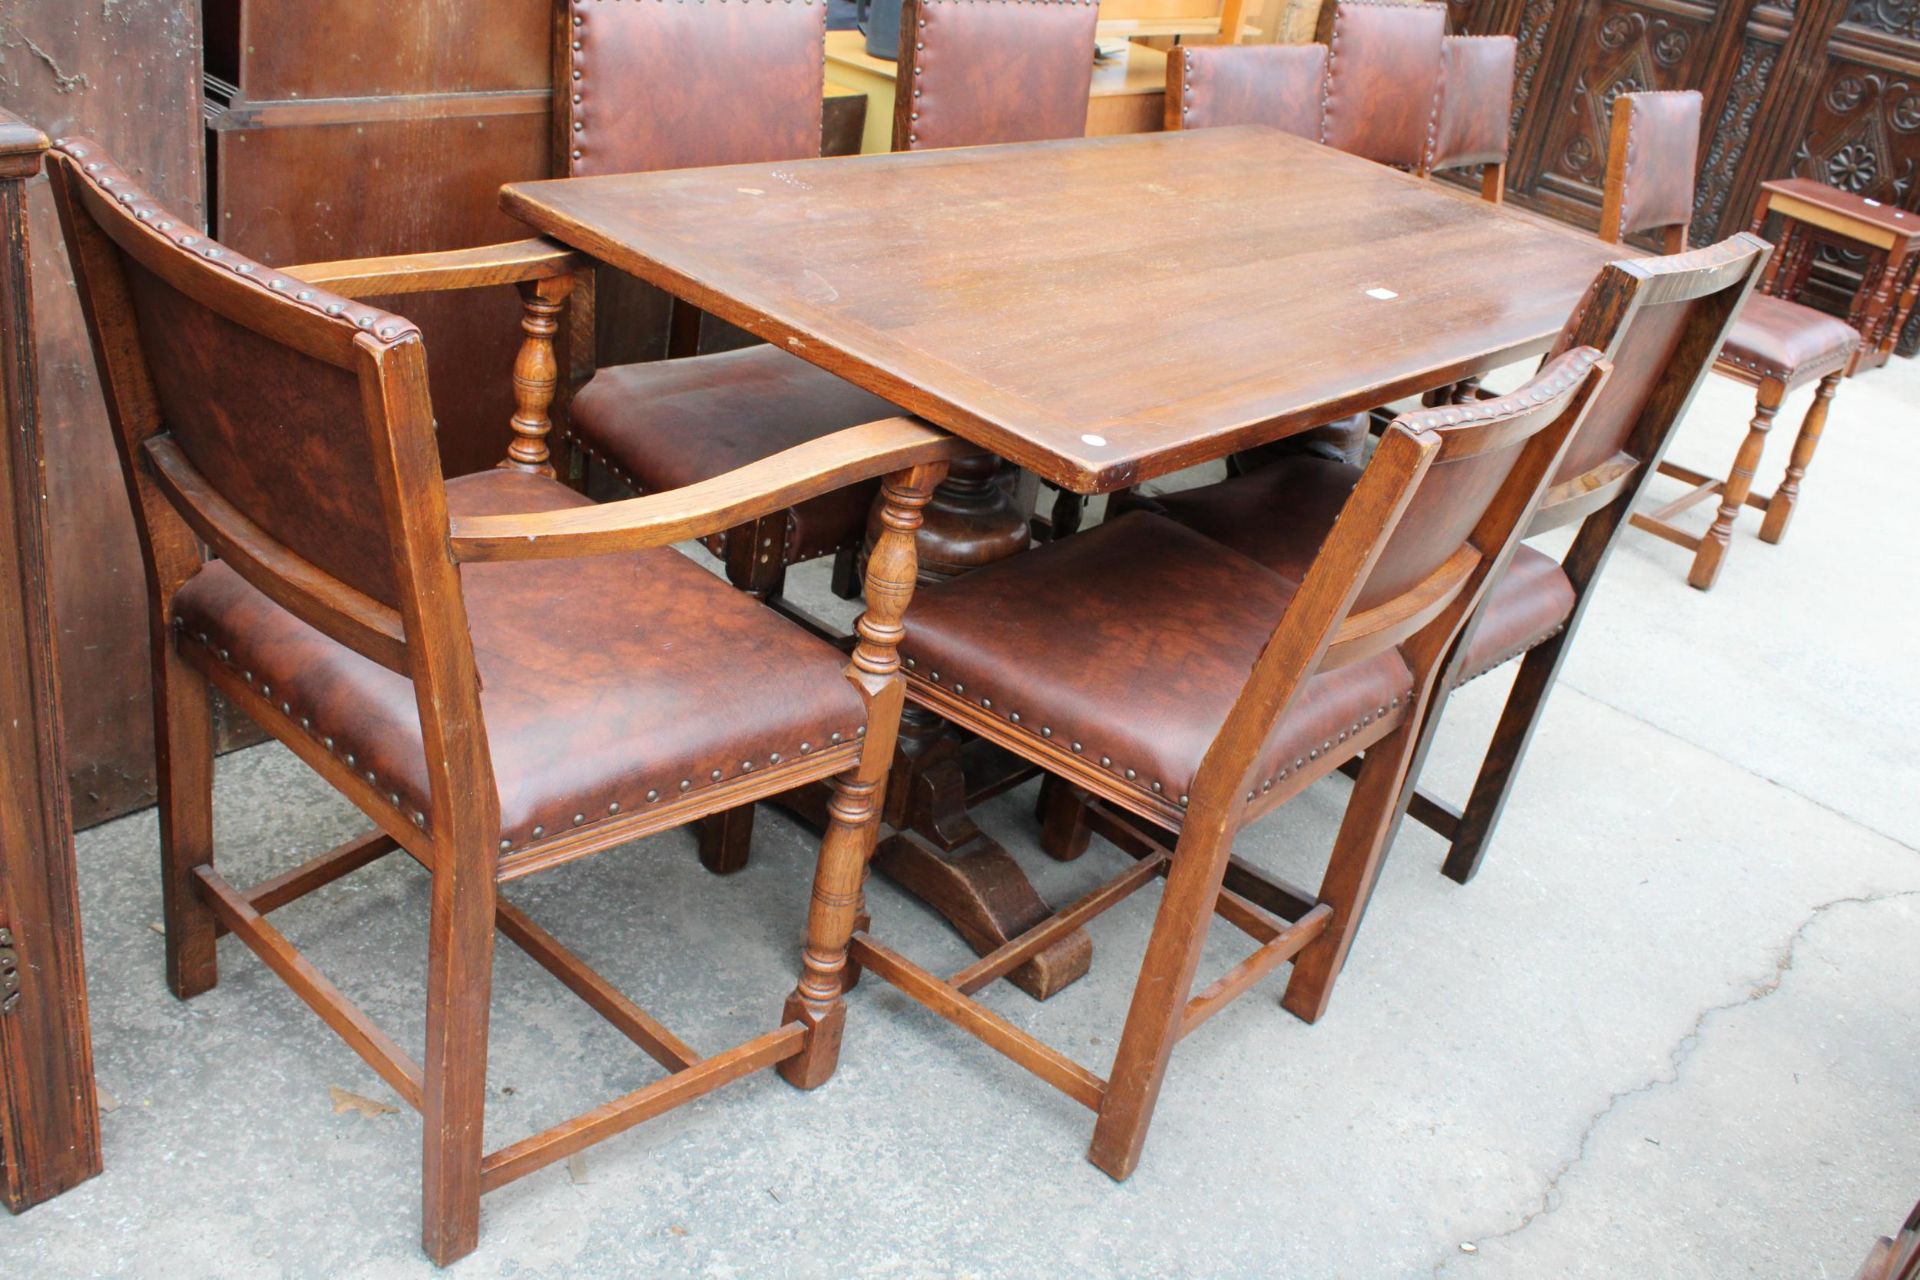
(672, 84)
(1777, 338)
(976, 72)
(1475, 102)
(1279, 85)
(1279, 515)
(1651, 185)
(1383, 71)
(607, 683)
(1127, 645)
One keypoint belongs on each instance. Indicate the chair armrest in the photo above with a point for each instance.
(512, 263)
(727, 501)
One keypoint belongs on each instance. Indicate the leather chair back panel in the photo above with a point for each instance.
(1650, 177)
(665, 84)
(1383, 69)
(1476, 101)
(1644, 359)
(976, 72)
(1448, 504)
(1278, 85)
(286, 443)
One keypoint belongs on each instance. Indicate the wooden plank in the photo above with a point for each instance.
(307, 982)
(561, 1141)
(128, 75)
(1042, 1059)
(632, 1021)
(1235, 981)
(49, 1124)
(324, 869)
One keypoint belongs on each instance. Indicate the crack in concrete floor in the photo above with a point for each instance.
(1676, 1058)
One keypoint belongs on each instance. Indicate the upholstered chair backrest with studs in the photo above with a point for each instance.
(1652, 152)
(975, 72)
(675, 84)
(1474, 104)
(1383, 71)
(1278, 85)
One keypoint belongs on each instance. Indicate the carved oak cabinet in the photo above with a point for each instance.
(1822, 89)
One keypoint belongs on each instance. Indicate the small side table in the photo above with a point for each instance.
(1815, 213)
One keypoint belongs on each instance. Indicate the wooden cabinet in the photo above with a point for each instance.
(1824, 89)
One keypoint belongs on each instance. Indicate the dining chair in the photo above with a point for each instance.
(652, 86)
(1473, 108)
(1278, 85)
(1659, 321)
(1192, 690)
(1383, 74)
(502, 676)
(1776, 345)
(992, 71)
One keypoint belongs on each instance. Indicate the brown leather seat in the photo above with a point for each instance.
(1093, 643)
(608, 683)
(1279, 514)
(1776, 338)
(670, 423)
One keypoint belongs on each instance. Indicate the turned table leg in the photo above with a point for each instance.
(936, 852)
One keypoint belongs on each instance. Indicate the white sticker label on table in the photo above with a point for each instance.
(1383, 295)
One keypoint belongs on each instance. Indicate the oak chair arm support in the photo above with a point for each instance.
(513, 263)
(21, 146)
(724, 502)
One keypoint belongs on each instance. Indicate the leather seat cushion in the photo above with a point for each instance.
(1775, 338)
(1128, 645)
(666, 424)
(605, 680)
(1280, 514)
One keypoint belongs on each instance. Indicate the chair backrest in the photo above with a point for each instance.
(1272, 84)
(1652, 151)
(288, 429)
(1474, 103)
(1435, 515)
(974, 72)
(1383, 70)
(662, 84)
(1661, 322)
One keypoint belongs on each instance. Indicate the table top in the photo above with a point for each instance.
(1104, 310)
(1143, 70)
(1848, 205)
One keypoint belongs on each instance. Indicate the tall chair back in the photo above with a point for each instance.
(1383, 70)
(1652, 153)
(1278, 85)
(976, 72)
(645, 86)
(1473, 109)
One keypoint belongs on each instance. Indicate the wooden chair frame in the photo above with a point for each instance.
(1191, 844)
(1735, 490)
(1600, 500)
(426, 639)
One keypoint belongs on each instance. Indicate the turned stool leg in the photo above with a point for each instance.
(1713, 547)
(1780, 506)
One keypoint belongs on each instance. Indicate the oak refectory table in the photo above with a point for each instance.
(1100, 311)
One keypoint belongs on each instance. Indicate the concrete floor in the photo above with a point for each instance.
(1672, 1030)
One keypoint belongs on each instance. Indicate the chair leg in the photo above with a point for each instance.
(726, 840)
(1159, 999)
(1358, 852)
(183, 716)
(1511, 738)
(853, 815)
(454, 1077)
(847, 573)
(757, 556)
(1713, 547)
(1062, 810)
(1780, 506)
